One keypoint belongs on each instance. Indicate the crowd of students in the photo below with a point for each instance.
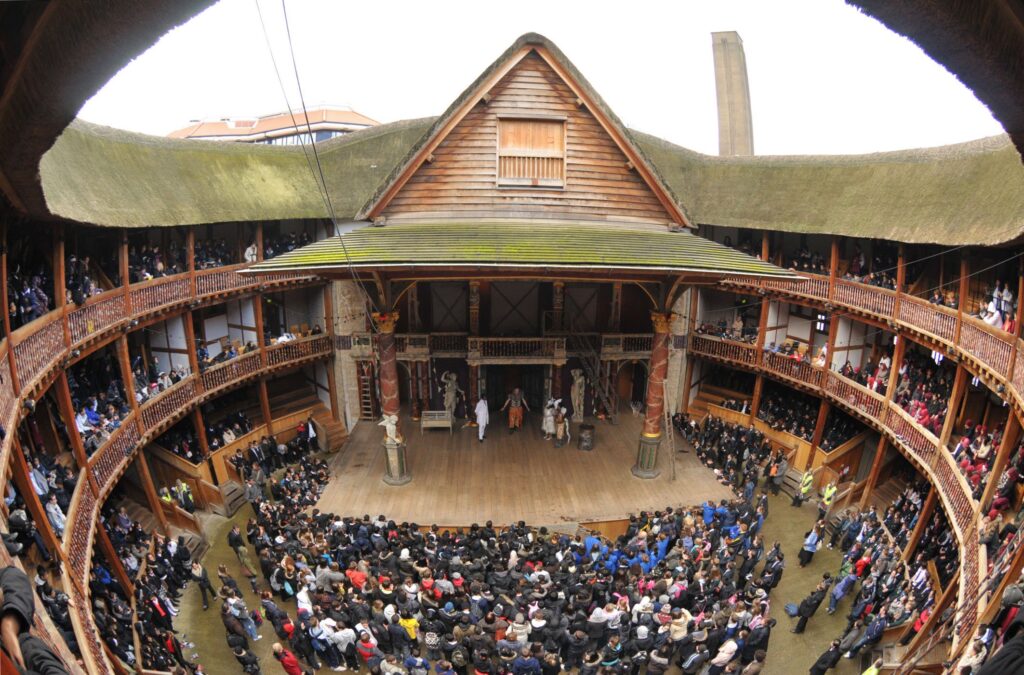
(874, 376)
(78, 282)
(789, 411)
(923, 388)
(29, 294)
(275, 245)
(98, 398)
(735, 330)
(150, 261)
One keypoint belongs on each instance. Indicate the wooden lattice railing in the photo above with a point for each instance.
(798, 372)
(728, 350)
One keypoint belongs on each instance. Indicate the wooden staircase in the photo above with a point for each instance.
(196, 545)
(885, 494)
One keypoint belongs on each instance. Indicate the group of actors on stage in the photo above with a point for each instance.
(555, 423)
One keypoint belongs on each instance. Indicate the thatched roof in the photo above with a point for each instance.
(969, 193)
(959, 194)
(503, 243)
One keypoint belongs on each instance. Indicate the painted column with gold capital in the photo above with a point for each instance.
(650, 438)
(396, 468)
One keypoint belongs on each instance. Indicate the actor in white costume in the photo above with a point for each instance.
(482, 418)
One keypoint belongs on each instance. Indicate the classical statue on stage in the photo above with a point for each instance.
(578, 393)
(390, 424)
(450, 386)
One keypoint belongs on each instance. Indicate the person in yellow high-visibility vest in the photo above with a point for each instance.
(828, 495)
(805, 489)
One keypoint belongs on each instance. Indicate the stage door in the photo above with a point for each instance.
(501, 380)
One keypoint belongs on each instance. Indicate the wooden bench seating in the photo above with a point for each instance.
(434, 419)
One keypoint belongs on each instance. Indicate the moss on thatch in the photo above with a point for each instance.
(548, 245)
(106, 176)
(969, 193)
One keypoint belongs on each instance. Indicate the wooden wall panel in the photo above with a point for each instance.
(462, 178)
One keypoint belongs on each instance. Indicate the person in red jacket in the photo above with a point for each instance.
(289, 663)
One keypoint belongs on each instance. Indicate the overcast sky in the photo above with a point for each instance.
(823, 77)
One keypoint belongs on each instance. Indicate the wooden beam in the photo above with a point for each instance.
(190, 338)
(35, 507)
(147, 485)
(261, 340)
(833, 267)
(755, 399)
(200, 424)
(897, 361)
(332, 384)
(268, 419)
(901, 277)
(1011, 436)
(127, 376)
(964, 289)
(190, 257)
(113, 560)
(67, 413)
(819, 425)
(259, 241)
(927, 509)
(765, 244)
(15, 384)
(615, 312)
(959, 389)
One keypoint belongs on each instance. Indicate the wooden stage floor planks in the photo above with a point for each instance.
(456, 480)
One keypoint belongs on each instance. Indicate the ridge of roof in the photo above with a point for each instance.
(523, 41)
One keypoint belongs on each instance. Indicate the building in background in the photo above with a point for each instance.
(325, 122)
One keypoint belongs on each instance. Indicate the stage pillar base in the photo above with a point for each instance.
(396, 466)
(646, 466)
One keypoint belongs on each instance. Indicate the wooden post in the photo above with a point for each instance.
(557, 305)
(765, 244)
(265, 407)
(329, 329)
(112, 558)
(15, 384)
(396, 464)
(687, 384)
(556, 382)
(1006, 447)
(60, 293)
(615, 312)
(474, 308)
(473, 388)
(691, 322)
(959, 389)
(901, 277)
(200, 424)
(1020, 291)
(261, 341)
(124, 271)
(192, 346)
(67, 412)
(755, 399)
(964, 289)
(876, 470)
(927, 509)
(650, 438)
(949, 595)
(147, 485)
(412, 300)
(819, 425)
(190, 259)
(127, 377)
(259, 241)
(35, 507)
(897, 361)
(833, 267)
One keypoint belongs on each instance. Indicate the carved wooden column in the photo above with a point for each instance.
(876, 470)
(556, 382)
(927, 509)
(147, 486)
(650, 438)
(395, 464)
(615, 312)
(412, 299)
(557, 305)
(474, 308)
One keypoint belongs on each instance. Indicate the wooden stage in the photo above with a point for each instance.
(456, 480)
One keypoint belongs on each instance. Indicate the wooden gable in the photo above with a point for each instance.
(504, 159)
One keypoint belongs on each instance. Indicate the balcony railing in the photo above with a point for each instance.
(299, 350)
(860, 399)
(160, 407)
(523, 350)
(156, 294)
(228, 372)
(96, 315)
(449, 344)
(798, 372)
(921, 315)
(724, 349)
(617, 345)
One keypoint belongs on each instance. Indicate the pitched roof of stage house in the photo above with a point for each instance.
(545, 245)
(969, 193)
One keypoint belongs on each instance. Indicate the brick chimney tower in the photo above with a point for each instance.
(735, 124)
